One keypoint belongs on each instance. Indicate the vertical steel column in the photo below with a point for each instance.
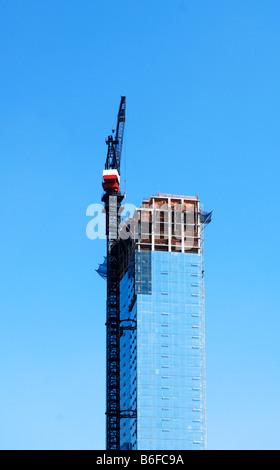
(112, 205)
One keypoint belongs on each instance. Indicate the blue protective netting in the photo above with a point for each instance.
(102, 270)
(206, 217)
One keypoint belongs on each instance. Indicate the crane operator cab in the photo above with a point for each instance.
(111, 181)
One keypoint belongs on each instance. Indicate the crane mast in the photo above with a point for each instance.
(112, 199)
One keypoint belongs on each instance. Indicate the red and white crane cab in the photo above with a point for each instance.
(111, 181)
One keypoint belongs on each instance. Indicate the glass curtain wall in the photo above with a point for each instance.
(162, 366)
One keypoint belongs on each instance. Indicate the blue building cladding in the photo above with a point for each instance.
(128, 356)
(162, 363)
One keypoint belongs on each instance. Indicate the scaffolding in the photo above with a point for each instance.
(166, 222)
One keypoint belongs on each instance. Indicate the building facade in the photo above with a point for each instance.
(162, 343)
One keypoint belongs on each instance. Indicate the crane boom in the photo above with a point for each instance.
(120, 133)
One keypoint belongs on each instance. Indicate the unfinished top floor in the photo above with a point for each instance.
(167, 222)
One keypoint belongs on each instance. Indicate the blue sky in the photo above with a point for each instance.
(202, 85)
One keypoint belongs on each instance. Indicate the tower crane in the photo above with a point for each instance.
(112, 199)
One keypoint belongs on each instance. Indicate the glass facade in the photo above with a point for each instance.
(128, 359)
(162, 362)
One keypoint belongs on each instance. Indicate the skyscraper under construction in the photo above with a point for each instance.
(155, 318)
